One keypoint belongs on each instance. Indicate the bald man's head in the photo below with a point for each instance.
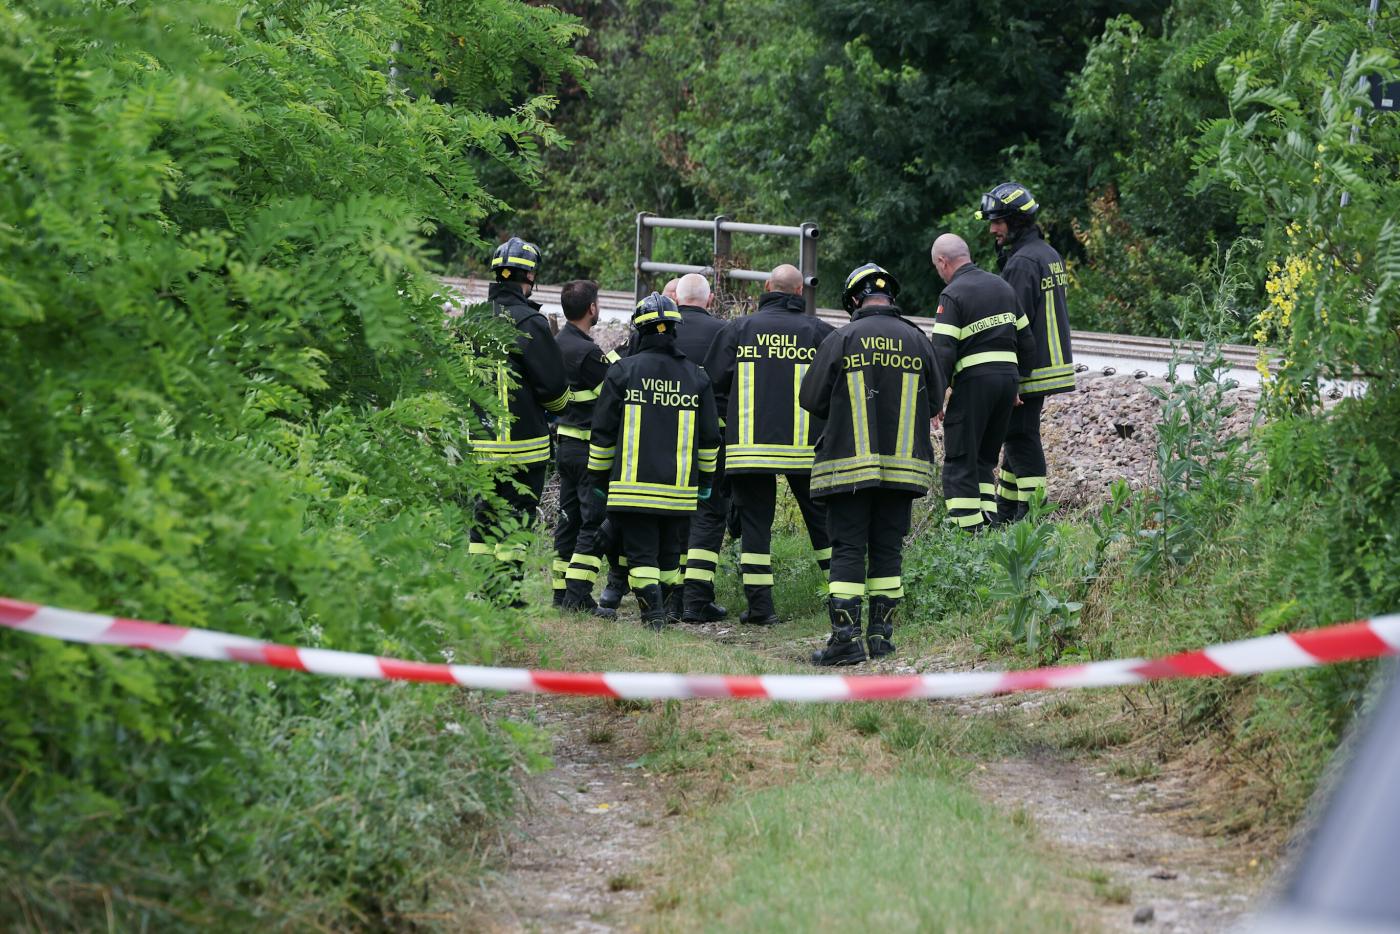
(785, 278)
(693, 289)
(950, 253)
(669, 289)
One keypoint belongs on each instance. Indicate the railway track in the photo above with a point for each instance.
(1094, 352)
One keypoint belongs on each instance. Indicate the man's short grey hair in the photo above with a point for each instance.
(951, 247)
(693, 289)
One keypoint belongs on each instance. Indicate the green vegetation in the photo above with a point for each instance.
(229, 401)
(906, 852)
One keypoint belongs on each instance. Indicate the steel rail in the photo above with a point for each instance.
(1096, 353)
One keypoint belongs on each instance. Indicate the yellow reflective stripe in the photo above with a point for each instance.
(967, 521)
(503, 392)
(822, 554)
(480, 548)
(570, 431)
(860, 423)
(699, 574)
(986, 488)
(746, 394)
(801, 420)
(758, 580)
(1022, 323)
(1052, 330)
(982, 324)
(631, 434)
(989, 356)
(755, 558)
(908, 406)
(600, 459)
(846, 588)
(558, 405)
(586, 395)
(611, 356)
(1008, 477)
(963, 502)
(948, 330)
(641, 577)
(685, 446)
(592, 561)
(515, 260)
(1027, 483)
(700, 554)
(519, 446)
(581, 574)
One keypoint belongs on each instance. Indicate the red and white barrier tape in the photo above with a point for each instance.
(1342, 643)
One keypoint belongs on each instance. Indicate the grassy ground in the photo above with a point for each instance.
(804, 816)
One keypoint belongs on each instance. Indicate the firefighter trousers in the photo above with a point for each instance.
(973, 430)
(1022, 462)
(578, 540)
(867, 531)
(757, 496)
(493, 524)
(706, 537)
(651, 543)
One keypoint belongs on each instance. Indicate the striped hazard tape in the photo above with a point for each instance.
(1371, 638)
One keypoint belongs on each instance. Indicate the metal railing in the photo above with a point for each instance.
(720, 267)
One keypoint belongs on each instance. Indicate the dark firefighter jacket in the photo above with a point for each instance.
(1036, 274)
(585, 364)
(655, 430)
(536, 383)
(876, 383)
(980, 326)
(697, 331)
(756, 365)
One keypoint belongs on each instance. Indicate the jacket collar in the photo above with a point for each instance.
(695, 310)
(569, 325)
(782, 301)
(658, 343)
(509, 293)
(1011, 247)
(867, 311)
(960, 270)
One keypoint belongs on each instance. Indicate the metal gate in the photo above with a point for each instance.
(720, 266)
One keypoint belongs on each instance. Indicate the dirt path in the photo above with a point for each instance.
(1148, 872)
(575, 857)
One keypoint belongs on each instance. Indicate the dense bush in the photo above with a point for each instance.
(230, 401)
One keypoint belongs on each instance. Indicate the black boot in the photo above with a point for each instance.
(578, 597)
(671, 597)
(760, 611)
(653, 606)
(881, 626)
(699, 604)
(844, 647)
(611, 597)
(559, 598)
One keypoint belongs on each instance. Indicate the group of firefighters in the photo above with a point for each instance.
(653, 444)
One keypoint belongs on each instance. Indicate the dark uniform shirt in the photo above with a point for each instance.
(980, 325)
(694, 335)
(876, 383)
(536, 383)
(585, 365)
(757, 364)
(655, 430)
(1036, 273)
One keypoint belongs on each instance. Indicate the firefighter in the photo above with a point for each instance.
(1037, 275)
(705, 532)
(532, 386)
(876, 384)
(983, 342)
(757, 365)
(578, 544)
(653, 450)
